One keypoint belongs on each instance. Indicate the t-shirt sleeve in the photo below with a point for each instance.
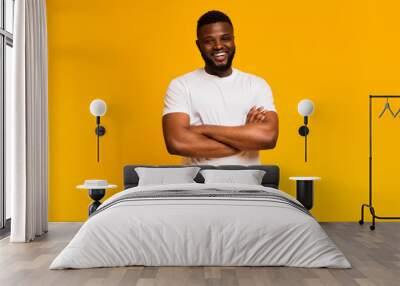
(176, 99)
(263, 95)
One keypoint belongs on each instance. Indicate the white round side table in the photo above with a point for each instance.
(96, 193)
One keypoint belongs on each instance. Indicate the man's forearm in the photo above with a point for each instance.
(192, 144)
(247, 137)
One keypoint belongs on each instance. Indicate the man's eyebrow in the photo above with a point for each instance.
(211, 37)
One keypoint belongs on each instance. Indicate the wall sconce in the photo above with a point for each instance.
(305, 108)
(98, 108)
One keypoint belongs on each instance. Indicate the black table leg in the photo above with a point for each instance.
(96, 195)
(305, 193)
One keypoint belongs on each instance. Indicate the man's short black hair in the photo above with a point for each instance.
(211, 17)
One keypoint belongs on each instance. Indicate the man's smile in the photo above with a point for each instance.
(220, 56)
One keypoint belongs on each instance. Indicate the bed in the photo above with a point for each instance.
(201, 224)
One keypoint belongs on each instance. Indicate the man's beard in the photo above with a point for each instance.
(222, 68)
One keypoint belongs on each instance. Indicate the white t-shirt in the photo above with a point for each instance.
(210, 99)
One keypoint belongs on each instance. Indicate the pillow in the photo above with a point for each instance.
(249, 177)
(163, 176)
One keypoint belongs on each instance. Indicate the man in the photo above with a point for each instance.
(219, 115)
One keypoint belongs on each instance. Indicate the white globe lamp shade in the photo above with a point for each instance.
(305, 107)
(98, 107)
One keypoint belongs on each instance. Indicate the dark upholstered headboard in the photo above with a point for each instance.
(270, 179)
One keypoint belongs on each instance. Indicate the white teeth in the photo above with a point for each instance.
(219, 54)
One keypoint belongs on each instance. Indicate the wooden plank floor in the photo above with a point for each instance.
(375, 257)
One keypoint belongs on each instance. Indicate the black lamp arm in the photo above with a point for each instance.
(303, 131)
(100, 131)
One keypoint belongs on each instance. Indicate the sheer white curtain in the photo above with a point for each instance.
(27, 123)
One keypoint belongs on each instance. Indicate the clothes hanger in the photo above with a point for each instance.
(387, 107)
(398, 111)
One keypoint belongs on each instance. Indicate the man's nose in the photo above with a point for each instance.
(218, 45)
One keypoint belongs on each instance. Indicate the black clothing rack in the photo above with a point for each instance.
(370, 205)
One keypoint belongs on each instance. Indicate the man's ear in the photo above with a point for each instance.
(197, 44)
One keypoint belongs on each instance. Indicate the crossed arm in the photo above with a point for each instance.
(214, 141)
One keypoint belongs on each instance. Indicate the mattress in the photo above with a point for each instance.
(201, 225)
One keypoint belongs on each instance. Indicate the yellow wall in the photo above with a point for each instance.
(126, 52)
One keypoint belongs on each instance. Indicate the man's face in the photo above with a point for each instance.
(217, 46)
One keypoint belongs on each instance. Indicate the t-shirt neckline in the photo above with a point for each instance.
(217, 78)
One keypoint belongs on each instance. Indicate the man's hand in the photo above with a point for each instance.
(256, 115)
